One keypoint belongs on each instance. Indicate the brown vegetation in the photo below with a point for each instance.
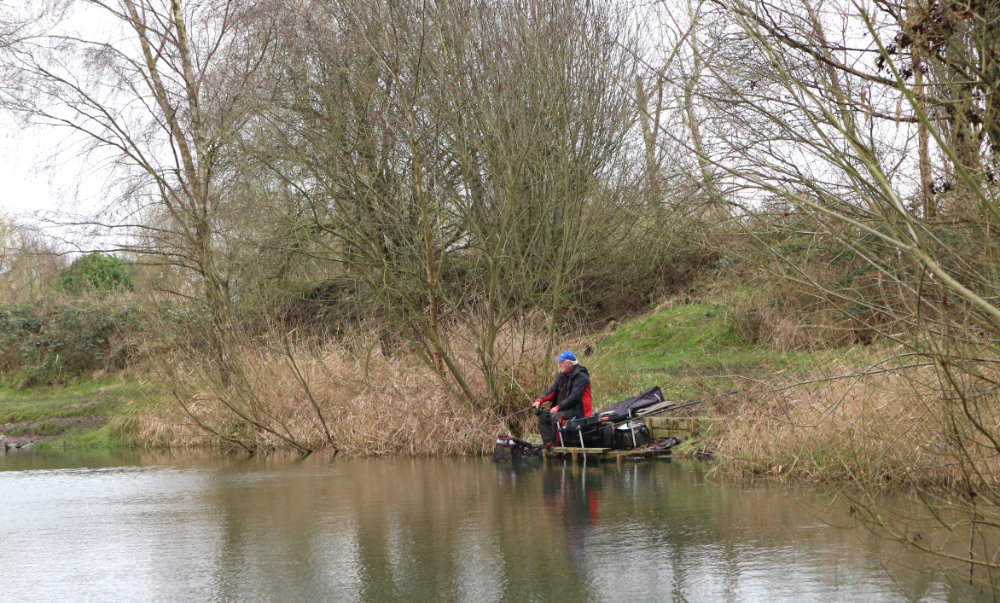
(884, 427)
(472, 184)
(352, 400)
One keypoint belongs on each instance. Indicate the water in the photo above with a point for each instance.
(278, 529)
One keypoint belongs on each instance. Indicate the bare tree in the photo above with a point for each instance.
(837, 115)
(462, 163)
(29, 263)
(542, 143)
(162, 89)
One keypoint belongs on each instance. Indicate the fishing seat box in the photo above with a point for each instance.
(630, 434)
(594, 432)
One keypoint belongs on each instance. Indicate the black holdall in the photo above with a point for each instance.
(589, 432)
(631, 434)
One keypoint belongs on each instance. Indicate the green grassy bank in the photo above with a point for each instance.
(89, 413)
(777, 412)
(689, 350)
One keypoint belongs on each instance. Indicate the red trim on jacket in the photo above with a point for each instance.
(588, 405)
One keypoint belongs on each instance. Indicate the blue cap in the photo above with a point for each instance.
(567, 355)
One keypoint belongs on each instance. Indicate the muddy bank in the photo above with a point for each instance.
(14, 436)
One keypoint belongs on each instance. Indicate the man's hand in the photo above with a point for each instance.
(537, 403)
(554, 410)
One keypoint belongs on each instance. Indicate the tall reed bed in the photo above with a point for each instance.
(870, 428)
(354, 400)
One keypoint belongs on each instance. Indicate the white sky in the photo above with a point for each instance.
(41, 172)
(45, 181)
(26, 187)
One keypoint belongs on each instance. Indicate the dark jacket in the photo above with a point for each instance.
(571, 392)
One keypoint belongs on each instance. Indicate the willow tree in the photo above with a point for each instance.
(543, 146)
(462, 163)
(158, 92)
(150, 88)
(823, 109)
(352, 137)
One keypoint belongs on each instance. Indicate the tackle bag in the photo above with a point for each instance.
(631, 434)
(588, 432)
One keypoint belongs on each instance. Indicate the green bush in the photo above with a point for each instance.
(48, 345)
(96, 272)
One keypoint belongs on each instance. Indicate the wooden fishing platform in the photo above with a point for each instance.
(660, 428)
(604, 454)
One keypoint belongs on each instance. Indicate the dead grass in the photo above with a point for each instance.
(313, 397)
(886, 429)
(786, 315)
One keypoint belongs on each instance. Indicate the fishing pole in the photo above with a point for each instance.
(693, 402)
(686, 404)
(513, 414)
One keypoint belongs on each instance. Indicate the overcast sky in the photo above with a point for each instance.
(44, 177)
(33, 171)
(39, 169)
(25, 187)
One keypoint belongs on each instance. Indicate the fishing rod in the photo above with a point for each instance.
(691, 403)
(513, 414)
(729, 393)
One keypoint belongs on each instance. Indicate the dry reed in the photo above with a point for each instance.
(352, 399)
(885, 429)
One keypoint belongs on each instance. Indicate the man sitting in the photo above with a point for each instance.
(570, 397)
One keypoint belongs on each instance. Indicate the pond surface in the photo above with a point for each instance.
(278, 529)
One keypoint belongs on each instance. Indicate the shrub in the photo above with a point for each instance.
(96, 272)
(47, 345)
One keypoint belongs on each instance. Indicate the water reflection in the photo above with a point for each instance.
(159, 528)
